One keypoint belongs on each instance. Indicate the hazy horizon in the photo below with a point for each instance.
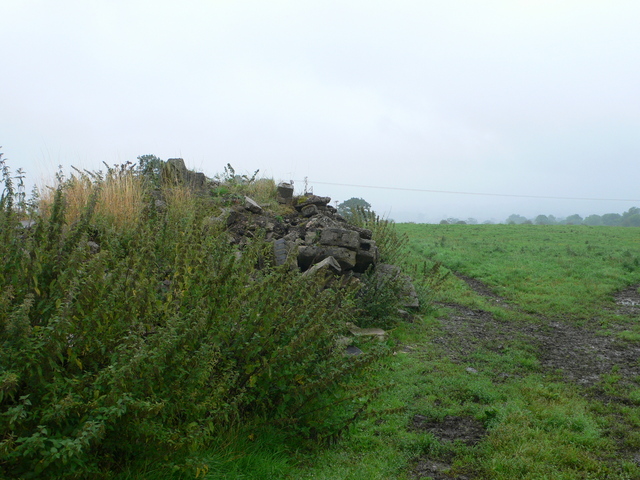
(496, 103)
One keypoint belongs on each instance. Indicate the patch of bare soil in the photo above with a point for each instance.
(467, 430)
(628, 301)
(582, 356)
(467, 330)
(427, 468)
(483, 290)
(579, 354)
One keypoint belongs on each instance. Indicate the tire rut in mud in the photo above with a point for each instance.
(577, 354)
(628, 301)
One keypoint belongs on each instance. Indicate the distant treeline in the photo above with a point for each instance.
(630, 218)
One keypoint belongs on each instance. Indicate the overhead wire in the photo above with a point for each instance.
(451, 192)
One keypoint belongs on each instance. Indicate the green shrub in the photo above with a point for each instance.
(157, 341)
(379, 299)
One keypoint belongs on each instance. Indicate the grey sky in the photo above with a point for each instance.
(516, 97)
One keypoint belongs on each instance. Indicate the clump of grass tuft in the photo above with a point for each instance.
(119, 197)
(262, 190)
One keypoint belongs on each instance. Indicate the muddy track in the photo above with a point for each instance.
(579, 355)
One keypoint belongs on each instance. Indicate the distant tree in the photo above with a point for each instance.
(553, 220)
(150, 166)
(444, 222)
(574, 219)
(350, 207)
(631, 218)
(611, 219)
(461, 222)
(593, 220)
(542, 220)
(527, 222)
(472, 221)
(453, 220)
(515, 219)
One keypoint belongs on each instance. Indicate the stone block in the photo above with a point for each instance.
(340, 237)
(251, 205)
(309, 210)
(285, 193)
(280, 251)
(366, 257)
(311, 254)
(328, 266)
(312, 200)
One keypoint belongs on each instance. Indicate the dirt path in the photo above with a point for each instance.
(579, 355)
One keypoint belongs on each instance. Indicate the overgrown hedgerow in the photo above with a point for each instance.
(151, 338)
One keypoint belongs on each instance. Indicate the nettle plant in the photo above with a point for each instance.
(152, 338)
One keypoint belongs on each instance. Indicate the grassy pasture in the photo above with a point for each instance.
(567, 271)
(163, 354)
(491, 351)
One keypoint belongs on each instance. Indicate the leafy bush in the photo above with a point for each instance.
(379, 299)
(354, 207)
(153, 337)
(384, 292)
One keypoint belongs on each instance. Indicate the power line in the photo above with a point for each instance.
(423, 190)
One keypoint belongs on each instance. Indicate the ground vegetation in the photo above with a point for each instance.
(135, 332)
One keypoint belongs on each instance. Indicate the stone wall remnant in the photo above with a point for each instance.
(174, 172)
(313, 238)
(285, 193)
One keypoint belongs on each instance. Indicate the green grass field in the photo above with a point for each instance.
(137, 343)
(526, 367)
(569, 271)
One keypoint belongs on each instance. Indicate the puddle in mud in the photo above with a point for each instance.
(629, 300)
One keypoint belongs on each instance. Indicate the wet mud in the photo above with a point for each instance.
(581, 355)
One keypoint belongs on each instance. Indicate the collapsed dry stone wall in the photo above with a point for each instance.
(313, 238)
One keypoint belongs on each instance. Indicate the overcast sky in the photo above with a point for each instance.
(511, 97)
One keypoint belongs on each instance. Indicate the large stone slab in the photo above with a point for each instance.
(174, 172)
(251, 205)
(311, 254)
(312, 200)
(340, 237)
(328, 266)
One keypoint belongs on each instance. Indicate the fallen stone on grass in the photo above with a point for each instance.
(377, 333)
(252, 205)
(351, 350)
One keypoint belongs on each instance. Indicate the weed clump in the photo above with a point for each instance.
(130, 331)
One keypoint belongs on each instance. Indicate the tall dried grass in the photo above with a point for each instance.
(119, 202)
(262, 190)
